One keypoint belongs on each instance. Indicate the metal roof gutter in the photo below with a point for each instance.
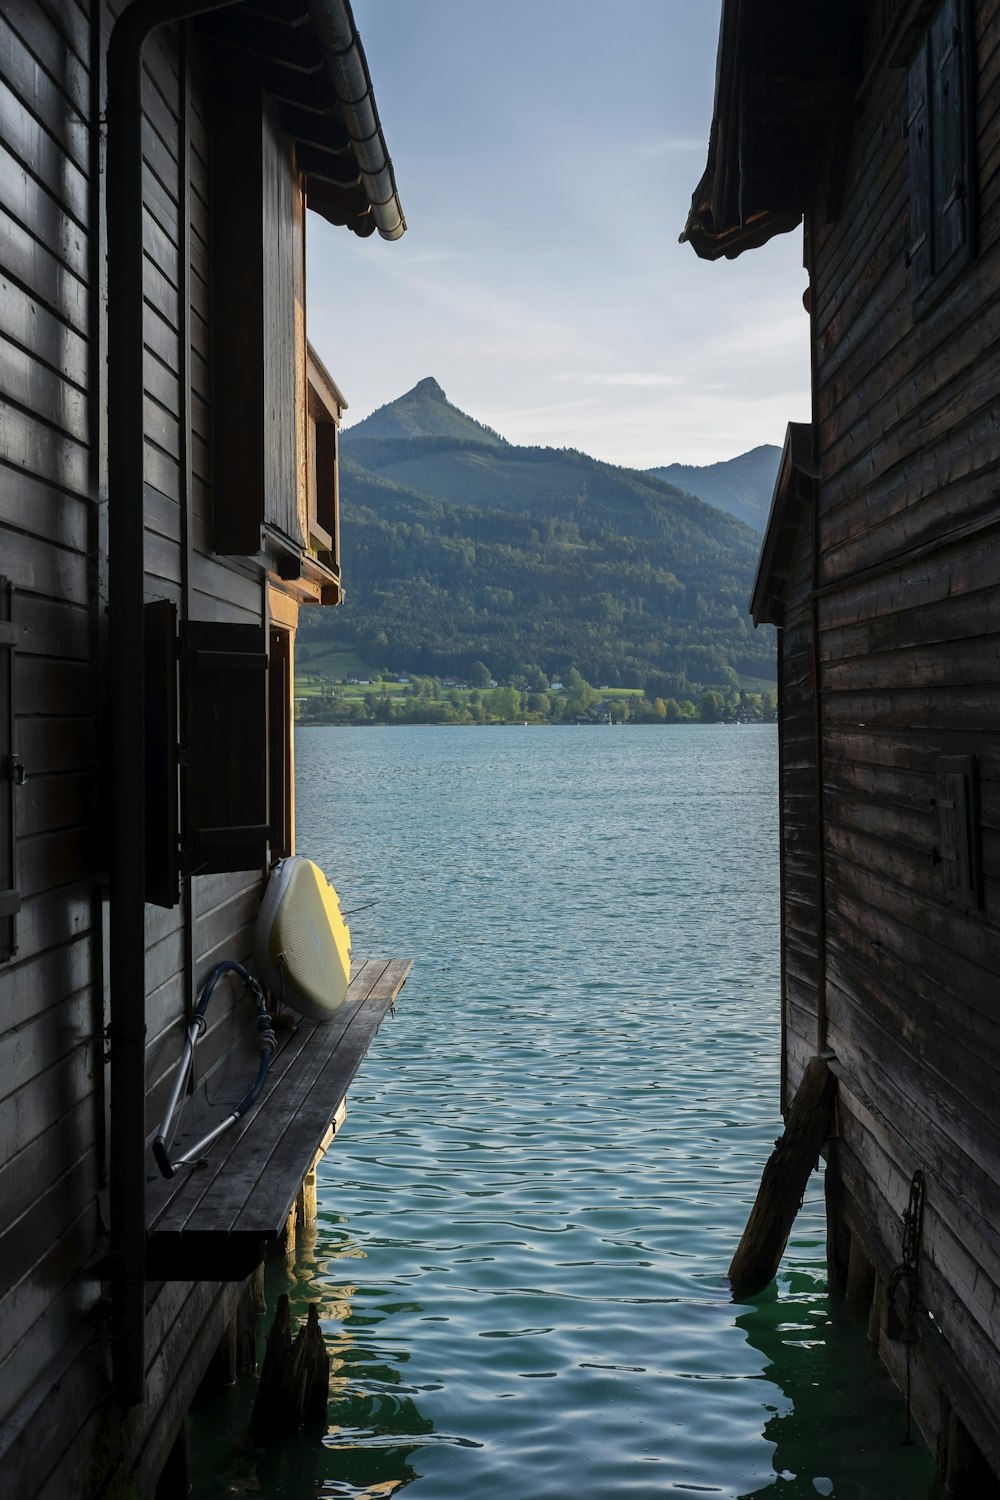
(336, 32)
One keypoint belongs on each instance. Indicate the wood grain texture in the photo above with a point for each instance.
(246, 1190)
(783, 1184)
(907, 435)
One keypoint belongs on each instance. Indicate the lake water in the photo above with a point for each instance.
(551, 1150)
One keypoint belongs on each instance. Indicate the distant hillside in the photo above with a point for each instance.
(741, 486)
(423, 412)
(460, 547)
(546, 482)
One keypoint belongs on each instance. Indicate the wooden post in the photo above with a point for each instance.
(860, 1274)
(272, 1410)
(175, 1476)
(838, 1235)
(311, 1367)
(876, 1312)
(257, 1297)
(784, 1181)
(236, 1352)
(288, 1241)
(967, 1474)
(294, 1384)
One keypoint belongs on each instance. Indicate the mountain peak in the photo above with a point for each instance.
(742, 486)
(424, 412)
(427, 387)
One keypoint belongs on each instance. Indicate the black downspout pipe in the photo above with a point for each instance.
(126, 597)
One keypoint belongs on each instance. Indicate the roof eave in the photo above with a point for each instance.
(775, 102)
(309, 59)
(347, 67)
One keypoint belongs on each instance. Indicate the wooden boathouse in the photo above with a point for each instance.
(168, 504)
(876, 125)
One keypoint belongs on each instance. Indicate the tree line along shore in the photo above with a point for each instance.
(402, 699)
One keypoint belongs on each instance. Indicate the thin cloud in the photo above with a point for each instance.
(635, 378)
(676, 145)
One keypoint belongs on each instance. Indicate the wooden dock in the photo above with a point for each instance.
(215, 1219)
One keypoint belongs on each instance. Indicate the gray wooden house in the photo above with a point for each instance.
(168, 504)
(876, 125)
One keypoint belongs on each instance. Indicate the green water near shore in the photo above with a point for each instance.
(552, 1148)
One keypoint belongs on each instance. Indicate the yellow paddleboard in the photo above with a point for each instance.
(302, 945)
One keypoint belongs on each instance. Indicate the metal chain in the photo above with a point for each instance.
(908, 1271)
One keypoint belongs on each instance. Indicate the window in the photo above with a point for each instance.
(258, 271)
(206, 749)
(325, 405)
(942, 154)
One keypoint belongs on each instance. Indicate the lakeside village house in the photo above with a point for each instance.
(168, 502)
(879, 123)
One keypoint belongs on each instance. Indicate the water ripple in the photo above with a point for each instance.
(551, 1151)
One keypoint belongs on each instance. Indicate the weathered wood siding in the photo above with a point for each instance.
(799, 829)
(51, 1019)
(908, 440)
(60, 1431)
(215, 917)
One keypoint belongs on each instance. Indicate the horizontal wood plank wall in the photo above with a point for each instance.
(282, 234)
(909, 445)
(222, 906)
(799, 884)
(185, 1321)
(51, 1047)
(57, 1420)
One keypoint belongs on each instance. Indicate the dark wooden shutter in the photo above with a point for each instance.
(11, 774)
(958, 851)
(947, 107)
(255, 243)
(918, 129)
(224, 765)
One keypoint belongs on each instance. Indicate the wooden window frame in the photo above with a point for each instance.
(258, 354)
(280, 731)
(206, 749)
(942, 153)
(325, 406)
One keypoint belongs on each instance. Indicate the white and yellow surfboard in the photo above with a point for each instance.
(302, 945)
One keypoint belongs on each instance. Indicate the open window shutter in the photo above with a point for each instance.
(918, 129)
(947, 104)
(224, 764)
(10, 775)
(959, 847)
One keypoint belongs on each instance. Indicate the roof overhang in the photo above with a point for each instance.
(310, 60)
(786, 72)
(793, 499)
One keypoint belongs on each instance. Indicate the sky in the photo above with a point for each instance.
(545, 153)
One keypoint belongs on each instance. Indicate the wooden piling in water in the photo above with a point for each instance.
(311, 1369)
(294, 1379)
(784, 1181)
(272, 1416)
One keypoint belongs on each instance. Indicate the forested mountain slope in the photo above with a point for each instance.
(741, 486)
(459, 549)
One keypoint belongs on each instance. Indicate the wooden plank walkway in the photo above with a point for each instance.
(213, 1220)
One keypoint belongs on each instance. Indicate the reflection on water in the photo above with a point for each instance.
(838, 1425)
(551, 1151)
